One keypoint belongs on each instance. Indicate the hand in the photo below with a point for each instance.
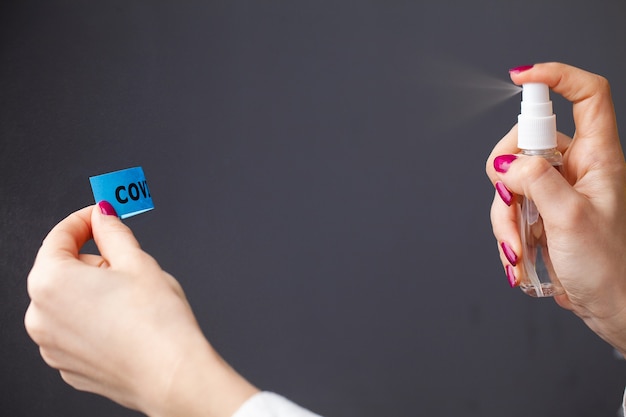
(119, 326)
(584, 210)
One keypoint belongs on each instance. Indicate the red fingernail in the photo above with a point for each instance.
(503, 162)
(521, 68)
(107, 208)
(504, 193)
(510, 275)
(508, 253)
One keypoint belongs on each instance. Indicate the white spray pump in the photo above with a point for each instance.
(536, 137)
(536, 122)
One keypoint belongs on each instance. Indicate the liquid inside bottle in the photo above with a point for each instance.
(538, 278)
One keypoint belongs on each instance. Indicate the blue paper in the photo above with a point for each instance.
(126, 190)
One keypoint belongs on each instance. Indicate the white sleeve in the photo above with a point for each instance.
(268, 404)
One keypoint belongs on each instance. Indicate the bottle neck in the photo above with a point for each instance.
(552, 155)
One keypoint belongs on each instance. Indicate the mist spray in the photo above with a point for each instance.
(536, 137)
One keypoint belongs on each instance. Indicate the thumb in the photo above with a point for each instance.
(115, 241)
(536, 179)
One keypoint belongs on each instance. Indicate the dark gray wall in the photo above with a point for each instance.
(319, 188)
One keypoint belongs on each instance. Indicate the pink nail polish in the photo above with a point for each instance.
(508, 253)
(502, 163)
(521, 68)
(510, 275)
(106, 208)
(504, 193)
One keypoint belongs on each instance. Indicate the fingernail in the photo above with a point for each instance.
(521, 68)
(508, 252)
(107, 208)
(502, 163)
(510, 275)
(504, 193)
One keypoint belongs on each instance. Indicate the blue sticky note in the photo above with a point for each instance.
(126, 190)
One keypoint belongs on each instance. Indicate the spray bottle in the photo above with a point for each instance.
(536, 137)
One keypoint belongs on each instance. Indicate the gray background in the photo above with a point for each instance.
(318, 174)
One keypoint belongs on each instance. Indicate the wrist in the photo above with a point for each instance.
(611, 329)
(203, 384)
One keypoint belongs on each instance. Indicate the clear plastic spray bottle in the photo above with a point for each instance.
(536, 137)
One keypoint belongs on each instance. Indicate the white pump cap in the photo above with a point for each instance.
(536, 122)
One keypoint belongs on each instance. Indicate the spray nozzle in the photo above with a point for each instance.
(536, 122)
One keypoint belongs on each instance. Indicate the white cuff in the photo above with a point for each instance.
(268, 404)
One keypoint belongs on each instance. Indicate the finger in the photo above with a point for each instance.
(93, 260)
(68, 236)
(33, 325)
(536, 179)
(115, 241)
(508, 145)
(55, 358)
(590, 94)
(77, 380)
(504, 225)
